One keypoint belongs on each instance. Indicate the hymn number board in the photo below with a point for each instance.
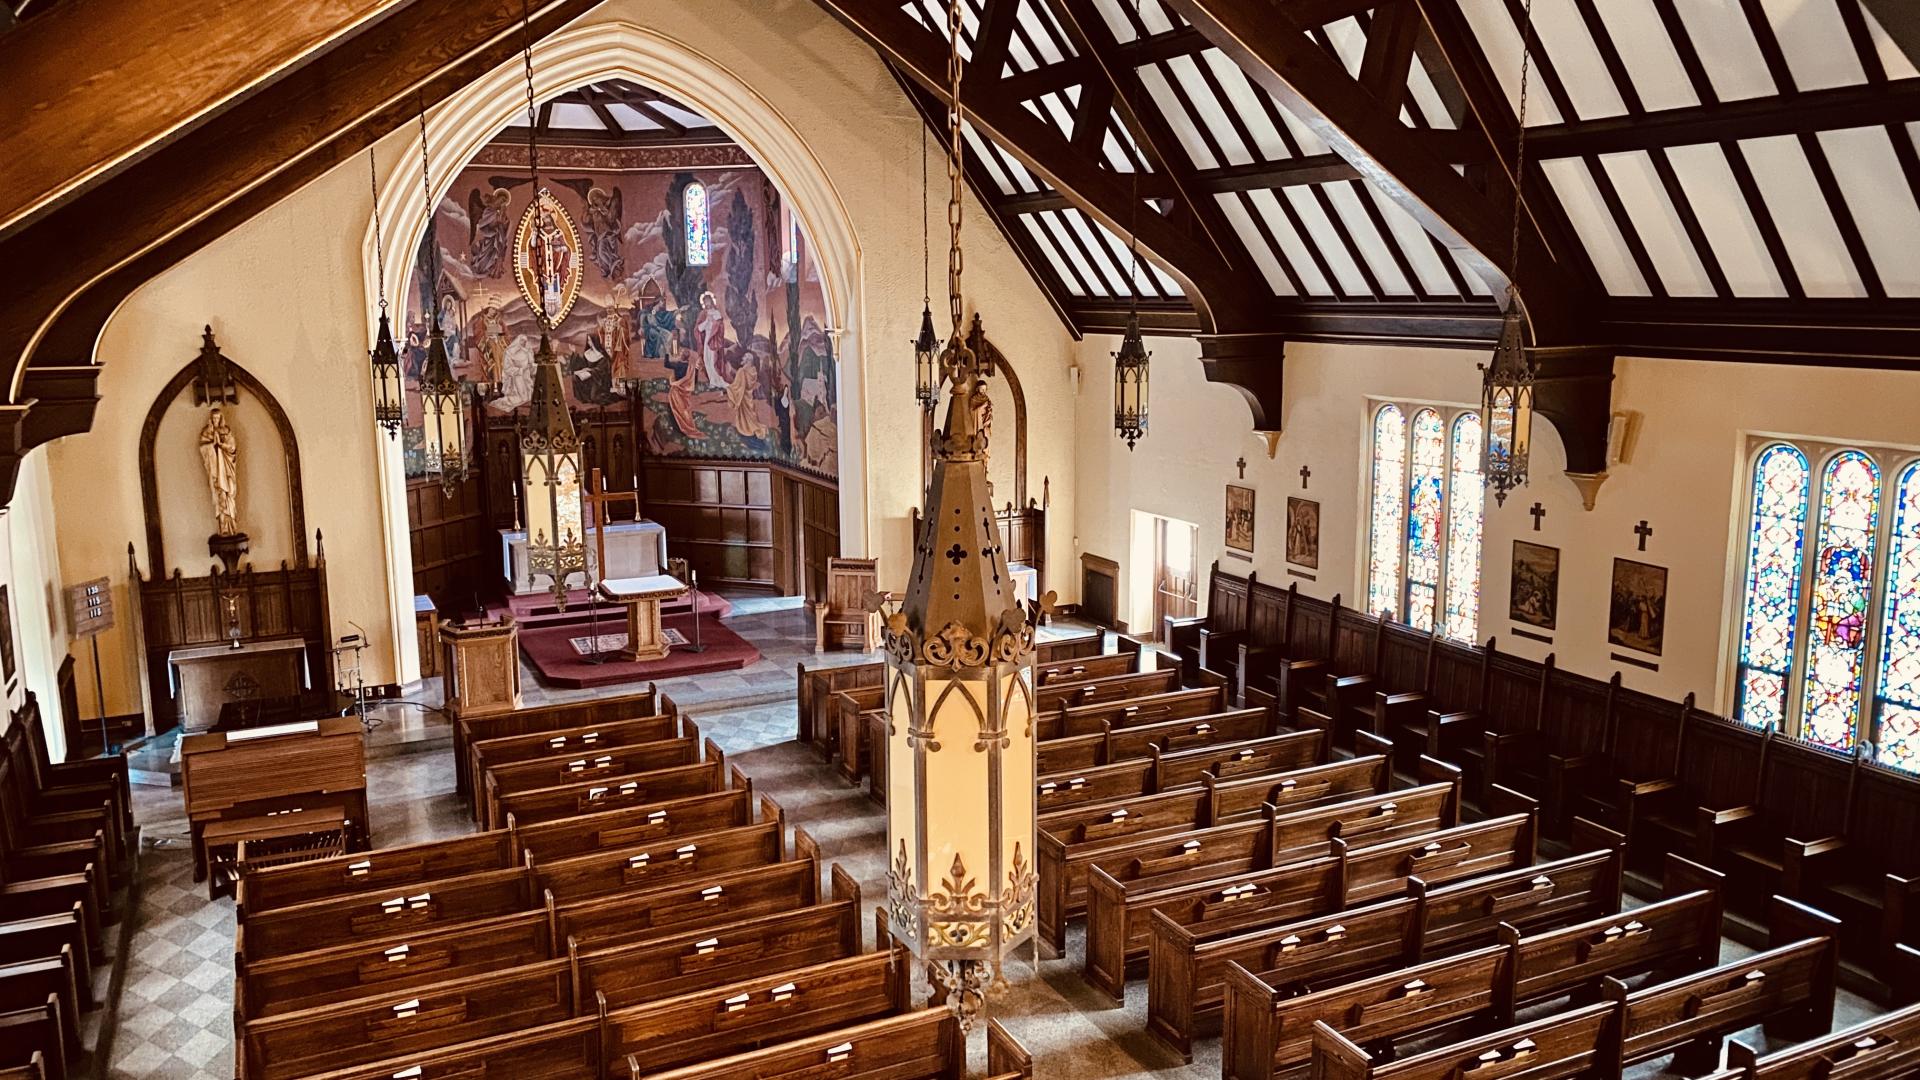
(90, 607)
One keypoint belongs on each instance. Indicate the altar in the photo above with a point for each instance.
(205, 677)
(634, 549)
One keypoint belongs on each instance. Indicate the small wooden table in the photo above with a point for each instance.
(204, 677)
(642, 596)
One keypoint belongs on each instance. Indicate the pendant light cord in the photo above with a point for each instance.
(1133, 214)
(956, 262)
(379, 255)
(1520, 151)
(533, 159)
(433, 241)
(926, 236)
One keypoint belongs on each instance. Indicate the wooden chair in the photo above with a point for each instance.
(848, 618)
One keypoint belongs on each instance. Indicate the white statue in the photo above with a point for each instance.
(220, 456)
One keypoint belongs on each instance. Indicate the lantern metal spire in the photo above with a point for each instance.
(1506, 391)
(926, 346)
(1130, 367)
(443, 397)
(961, 884)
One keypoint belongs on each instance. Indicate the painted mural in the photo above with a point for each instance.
(683, 287)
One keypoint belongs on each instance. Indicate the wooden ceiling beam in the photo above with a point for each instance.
(1804, 113)
(1901, 20)
(150, 73)
(1275, 51)
(1049, 79)
(1223, 295)
(67, 273)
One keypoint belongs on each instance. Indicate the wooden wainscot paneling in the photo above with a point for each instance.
(744, 525)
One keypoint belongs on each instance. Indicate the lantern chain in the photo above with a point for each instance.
(956, 261)
(379, 256)
(1520, 152)
(433, 241)
(533, 162)
(926, 236)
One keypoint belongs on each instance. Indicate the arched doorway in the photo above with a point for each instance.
(603, 54)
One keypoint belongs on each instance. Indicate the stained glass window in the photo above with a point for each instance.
(1775, 556)
(1466, 494)
(1389, 481)
(1840, 599)
(1898, 730)
(1425, 493)
(699, 230)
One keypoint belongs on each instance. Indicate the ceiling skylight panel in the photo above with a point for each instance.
(1063, 237)
(1707, 179)
(1141, 279)
(1213, 113)
(1154, 17)
(1598, 231)
(1876, 191)
(1177, 118)
(1372, 246)
(1648, 54)
(1800, 211)
(1097, 251)
(1292, 245)
(1576, 59)
(1040, 34)
(1047, 248)
(1326, 239)
(1303, 136)
(1499, 39)
(989, 161)
(1349, 43)
(1819, 52)
(1892, 56)
(1425, 95)
(1062, 116)
(1415, 243)
(1244, 99)
(1720, 32)
(573, 116)
(1476, 284)
(1167, 284)
(1249, 234)
(631, 119)
(1116, 19)
(1658, 222)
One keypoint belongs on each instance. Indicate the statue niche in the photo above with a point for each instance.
(220, 457)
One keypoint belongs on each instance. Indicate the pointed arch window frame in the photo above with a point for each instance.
(1450, 416)
(1896, 466)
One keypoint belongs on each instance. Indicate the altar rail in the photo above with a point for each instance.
(1808, 790)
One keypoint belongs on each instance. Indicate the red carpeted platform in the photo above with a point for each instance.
(558, 652)
(537, 610)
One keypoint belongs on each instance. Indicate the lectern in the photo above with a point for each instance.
(480, 669)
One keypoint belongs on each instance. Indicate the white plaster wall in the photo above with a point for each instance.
(1684, 476)
(285, 296)
(31, 568)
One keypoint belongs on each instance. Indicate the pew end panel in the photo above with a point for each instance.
(1005, 1056)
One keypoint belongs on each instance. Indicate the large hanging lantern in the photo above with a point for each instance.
(550, 480)
(926, 362)
(1130, 384)
(960, 735)
(443, 408)
(1506, 400)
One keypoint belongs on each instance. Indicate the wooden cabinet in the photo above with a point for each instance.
(746, 525)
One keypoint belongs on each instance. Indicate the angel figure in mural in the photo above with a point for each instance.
(220, 457)
(711, 333)
(616, 335)
(489, 231)
(490, 338)
(604, 225)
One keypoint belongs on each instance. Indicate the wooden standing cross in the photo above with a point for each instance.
(596, 498)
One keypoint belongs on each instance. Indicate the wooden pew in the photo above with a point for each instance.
(709, 901)
(69, 790)
(851, 712)
(372, 871)
(1883, 1048)
(679, 963)
(56, 895)
(1168, 770)
(388, 964)
(567, 1050)
(599, 710)
(30, 1036)
(815, 686)
(585, 833)
(1050, 651)
(1084, 668)
(924, 1045)
(1129, 743)
(1121, 900)
(661, 862)
(1570, 1044)
(28, 984)
(34, 1068)
(345, 1034)
(597, 796)
(1187, 972)
(1130, 712)
(403, 909)
(584, 740)
(607, 766)
(1067, 693)
(1382, 869)
(37, 936)
(742, 1016)
(1789, 986)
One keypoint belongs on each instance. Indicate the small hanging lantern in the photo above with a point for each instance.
(1506, 399)
(1130, 384)
(926, 361)
(389, 394)
(443, 397)
(550, 480)
(389, 391)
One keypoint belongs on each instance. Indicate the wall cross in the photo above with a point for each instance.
(1539, 512)
(1643, 530)
(1305, 474)
(1242, 466)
